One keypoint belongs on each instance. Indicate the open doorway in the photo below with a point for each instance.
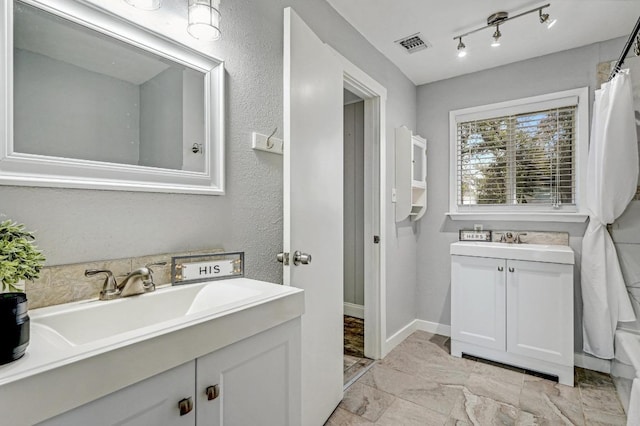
(355, 361)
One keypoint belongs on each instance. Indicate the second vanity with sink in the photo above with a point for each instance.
(224, 352)
(513, 303)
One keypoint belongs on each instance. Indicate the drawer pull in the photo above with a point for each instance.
(511, 269)
(213, 392)
(185, 406)
(500, 268)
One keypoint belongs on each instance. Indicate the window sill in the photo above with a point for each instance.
(520, 217)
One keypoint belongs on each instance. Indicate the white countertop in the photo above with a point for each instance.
(56, 374)
(532, 252)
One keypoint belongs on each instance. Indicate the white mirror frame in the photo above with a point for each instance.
(40, 170)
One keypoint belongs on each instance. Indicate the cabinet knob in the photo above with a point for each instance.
(500, 268)
(185, 406)
(212, 392)
(511, 269)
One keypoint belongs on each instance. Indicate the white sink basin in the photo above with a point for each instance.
(87, 322)
(533, 252)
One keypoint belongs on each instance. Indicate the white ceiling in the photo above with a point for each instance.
(40, 32)
(580, 22)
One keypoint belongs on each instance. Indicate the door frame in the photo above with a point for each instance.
(375, 99)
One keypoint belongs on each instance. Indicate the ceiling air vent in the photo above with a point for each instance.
(413, 43)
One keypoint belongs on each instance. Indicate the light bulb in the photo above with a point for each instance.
(496, 37)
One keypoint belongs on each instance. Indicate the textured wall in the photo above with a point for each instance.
(560, 71)
(83, 225)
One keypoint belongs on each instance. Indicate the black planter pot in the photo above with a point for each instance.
(14, 326)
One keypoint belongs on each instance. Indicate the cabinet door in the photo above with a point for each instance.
(153, 401)
(540, 310)
(478, 301)
(258, 379)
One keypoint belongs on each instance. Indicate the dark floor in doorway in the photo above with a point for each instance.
(353, 336)
(355, 362)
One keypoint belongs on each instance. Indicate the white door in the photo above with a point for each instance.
(478, 301)
(540, 310)
(313, 209)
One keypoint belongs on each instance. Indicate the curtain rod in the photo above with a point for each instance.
(625, 50)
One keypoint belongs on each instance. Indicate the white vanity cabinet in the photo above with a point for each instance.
(514, 311)
(258, 380)
(153, 401)
(254, 381)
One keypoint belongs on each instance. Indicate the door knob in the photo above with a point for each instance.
(283, 258)
(299, 257)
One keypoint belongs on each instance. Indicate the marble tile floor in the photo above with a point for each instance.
(419, 383)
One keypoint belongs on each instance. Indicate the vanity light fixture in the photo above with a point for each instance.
(499, 18)
(145, 4)
(462, 49)
(204, 19)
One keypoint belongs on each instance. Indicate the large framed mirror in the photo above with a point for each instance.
(90, 100)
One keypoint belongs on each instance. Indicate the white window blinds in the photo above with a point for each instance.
(519, 159)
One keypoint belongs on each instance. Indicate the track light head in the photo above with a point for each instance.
(544, 17)
(496, 37)
(462, 52)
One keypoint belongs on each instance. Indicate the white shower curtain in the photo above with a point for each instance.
(612, 178)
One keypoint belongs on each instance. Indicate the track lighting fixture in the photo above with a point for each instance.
(499, 18)
(462, 49)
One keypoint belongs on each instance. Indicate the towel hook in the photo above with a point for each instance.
(269, 142)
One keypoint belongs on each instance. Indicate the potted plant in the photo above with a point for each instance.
(20, 259)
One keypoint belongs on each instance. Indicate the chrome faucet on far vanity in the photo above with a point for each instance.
(136, 282)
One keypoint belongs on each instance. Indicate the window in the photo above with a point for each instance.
(518, 157)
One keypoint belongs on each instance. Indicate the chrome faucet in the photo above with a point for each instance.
(508, 237)
(136, 282)
(518, 239)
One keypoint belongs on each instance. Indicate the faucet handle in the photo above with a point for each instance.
(149, 265)
(110, 286)
(149, 285)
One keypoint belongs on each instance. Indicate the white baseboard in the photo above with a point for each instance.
(433, 327)
(592, 363)
(404, 332)
(398, 337)
(353, 310)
